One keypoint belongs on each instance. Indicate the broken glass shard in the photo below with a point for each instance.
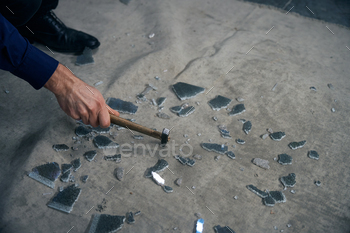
(219, 102)
(158, 179)
(214, 147)
(137, 213)
(60, 147)
(278, 196)
(104, 223)
(186, 91)
(65, 176)
(178, 181)
(119, 173)
(313, 154)
(117, 158)
(240, 141)
(101, 130)
(190, 162)
(257, 191)
(230, 154)
(98, 83)
(90, 155)
(313, 88)
(84, 178)
(261, 163)
(176, 109)
(154, 102)
(102, 142)
(121, 105)
(247, 126)
(138, 137)
(158, 167)
(288, 181)
(285, 159)
(85, 58)
(269, 201)
(46, 174)
(238, 109)
(163, 115)
(200, 225)
(66, 167)
(160, 101)
(277, 136)
(64, 200)
(186, 111)
(167, 189)
(82, 131)
(242, 120)
(76, 164)
(71, 178)
(130, 218)
(182, 160)
(148, 88)
(225, 229)
(296, 145)
(224, 132)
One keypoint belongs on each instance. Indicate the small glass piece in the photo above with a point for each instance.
(121, 105)
(65, 199)
(60, 147)
(46, 174)
(257, 191)
(85, 58)
(285, 159)
(313, 154)
(214, 147)
(277, 136)
(288, 181)
(238, 109)
(90, 155)
(82, 131)
(103, 142)
(158, 167)
(106, 223)
(296, 145)
(247, 127)
(186, 91)
(219, 102)
(117, 158)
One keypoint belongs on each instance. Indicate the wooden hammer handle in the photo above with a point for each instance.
(133, 126)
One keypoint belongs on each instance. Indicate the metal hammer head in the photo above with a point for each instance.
(165, 136)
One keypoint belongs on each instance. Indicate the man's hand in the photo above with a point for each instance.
(79, 100)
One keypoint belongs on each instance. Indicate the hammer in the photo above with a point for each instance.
(163, 136)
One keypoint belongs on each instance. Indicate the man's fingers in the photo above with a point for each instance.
(104, 118)
(112, 111)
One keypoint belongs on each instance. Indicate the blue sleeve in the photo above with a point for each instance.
(22, 59)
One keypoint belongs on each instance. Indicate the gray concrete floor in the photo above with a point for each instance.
(196, 42)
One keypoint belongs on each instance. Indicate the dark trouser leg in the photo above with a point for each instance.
(36, 21)
(46, 6)
(19, 12)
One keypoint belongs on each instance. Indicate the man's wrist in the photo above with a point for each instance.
(60, 80)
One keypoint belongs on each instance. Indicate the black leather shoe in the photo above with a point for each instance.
(51, 31)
